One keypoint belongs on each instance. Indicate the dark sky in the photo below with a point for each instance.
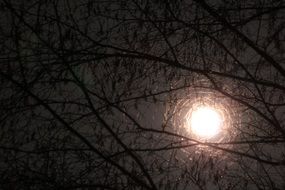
(95, 94)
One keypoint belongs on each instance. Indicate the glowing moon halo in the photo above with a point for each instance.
(205, 122)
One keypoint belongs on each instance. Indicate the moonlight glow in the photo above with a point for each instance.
(205, 122)
(203, 115)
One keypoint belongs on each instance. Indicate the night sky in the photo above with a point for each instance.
(106, 94)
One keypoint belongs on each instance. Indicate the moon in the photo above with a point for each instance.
(205, 122)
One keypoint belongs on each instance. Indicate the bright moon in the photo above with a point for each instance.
(205, 122)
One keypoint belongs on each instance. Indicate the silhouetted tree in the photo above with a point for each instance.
(95, 94)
